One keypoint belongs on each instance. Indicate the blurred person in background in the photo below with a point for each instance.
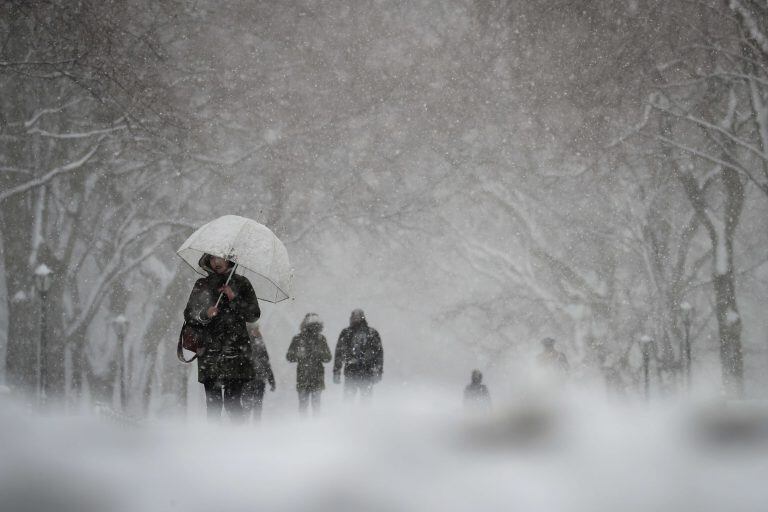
(476, 393)
(360, 356)
(225, 365)
(551, 359)
(309, 350)
(253, 395)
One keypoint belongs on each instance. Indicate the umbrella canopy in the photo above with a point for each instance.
(259, 254)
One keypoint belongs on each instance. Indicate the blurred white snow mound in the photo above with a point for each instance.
(398, 453)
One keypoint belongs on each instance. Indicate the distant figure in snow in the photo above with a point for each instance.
(225, 365)
(610, 365)
(476, 393)
(309, 350)
(360, 356)
(253, 395)
(551, 359)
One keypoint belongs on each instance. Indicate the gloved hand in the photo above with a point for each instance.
(336, 378)
(271, 386)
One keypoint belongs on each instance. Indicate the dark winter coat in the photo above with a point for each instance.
(227, 353)
(477, 394)
(309, 350)
(359, 352)
(262, 368)
(553, 360)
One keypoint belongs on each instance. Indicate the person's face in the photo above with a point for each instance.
(219, 265)
(355, 318)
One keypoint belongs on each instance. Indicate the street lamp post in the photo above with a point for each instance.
(120, 324)
(646, 342)
(43, 278)
(687, 310)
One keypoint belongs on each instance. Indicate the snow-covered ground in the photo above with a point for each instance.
(402, 452)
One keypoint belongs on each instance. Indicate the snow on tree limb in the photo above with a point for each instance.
(637, 128)
(751, 25)
(116, 267)
(40, 113)
(75, 135)
(719, 129)
(695, 152)
(7, 64)
(38, 182)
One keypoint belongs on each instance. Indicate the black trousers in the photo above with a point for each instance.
(253, 398)
(227, 393)
(309, 395)
(362, 384)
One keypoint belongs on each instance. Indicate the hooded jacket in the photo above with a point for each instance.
(309, 350)
(359, 352)
(477, 392)
(228, 353)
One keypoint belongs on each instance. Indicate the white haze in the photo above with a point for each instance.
(411, 449)
(451, 167)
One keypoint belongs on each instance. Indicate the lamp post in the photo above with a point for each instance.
(687, 310)
(646, 342)
(43, 279)
(120, 323)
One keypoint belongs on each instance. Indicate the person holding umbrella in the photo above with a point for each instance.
(222, 303)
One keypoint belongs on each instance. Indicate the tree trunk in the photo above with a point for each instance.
(729, 330)
(728, 318)
(163, 328)
(21, 355)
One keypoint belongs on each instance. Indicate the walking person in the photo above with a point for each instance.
(360, 356)
(552, 360)
(309, 350)
(253, 396)
(476, 393)
(221, 304)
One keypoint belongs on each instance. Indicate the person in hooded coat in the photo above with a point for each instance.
(309, 350)
(225, 364)
(359, 355)
(552, 360)
(476, 393)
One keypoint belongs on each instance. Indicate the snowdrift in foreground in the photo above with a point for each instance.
(395, 455)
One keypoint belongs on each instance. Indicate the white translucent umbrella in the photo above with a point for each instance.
(259, 254)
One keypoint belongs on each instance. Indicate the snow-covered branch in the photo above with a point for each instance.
(751, 25)
(75, 135)
(117, 267)
(40, 113)
(38, 182)
(721, 129)
(6, 64)
(635, 129)
(693, 151)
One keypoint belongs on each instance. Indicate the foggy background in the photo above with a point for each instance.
(474, 174)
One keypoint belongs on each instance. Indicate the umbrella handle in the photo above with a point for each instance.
(231, 272)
